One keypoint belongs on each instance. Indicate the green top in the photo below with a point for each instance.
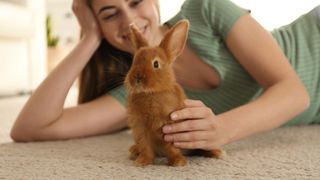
(210, 23)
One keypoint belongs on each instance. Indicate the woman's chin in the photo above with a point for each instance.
(128, 48)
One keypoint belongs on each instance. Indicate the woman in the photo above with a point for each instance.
(238, 74)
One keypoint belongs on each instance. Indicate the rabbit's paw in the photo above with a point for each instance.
(143, 161)
(134, 152)
(177, 161)
(216, 153)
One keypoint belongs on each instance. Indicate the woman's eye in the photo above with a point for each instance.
(109, 16)
(136, 2)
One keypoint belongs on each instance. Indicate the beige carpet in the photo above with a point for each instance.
(286, 153)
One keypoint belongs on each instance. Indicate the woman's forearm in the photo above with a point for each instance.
(46, 103)
(278, 104)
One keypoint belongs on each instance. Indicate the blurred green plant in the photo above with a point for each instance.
(52, 41)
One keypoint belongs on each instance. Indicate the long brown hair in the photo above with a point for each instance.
(105, 70)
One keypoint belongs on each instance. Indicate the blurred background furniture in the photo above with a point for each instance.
(23, 48)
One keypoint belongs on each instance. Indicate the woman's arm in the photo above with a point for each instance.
(100, 116)
(284, 97)
(44, 117)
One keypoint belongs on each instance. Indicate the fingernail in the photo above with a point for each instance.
(174, 116)
(166, 129)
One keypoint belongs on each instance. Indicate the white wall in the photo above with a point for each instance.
(275, 13)
(169, 8)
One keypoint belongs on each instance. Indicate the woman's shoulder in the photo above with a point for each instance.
(219, 15)
(208, 4)
(211, 9)
(199, 4)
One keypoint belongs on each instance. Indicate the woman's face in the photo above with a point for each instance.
(115, 17)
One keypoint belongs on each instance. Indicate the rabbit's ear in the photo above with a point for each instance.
(137, 38)
(174, 41)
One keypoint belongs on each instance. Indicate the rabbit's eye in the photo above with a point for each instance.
(156, 64)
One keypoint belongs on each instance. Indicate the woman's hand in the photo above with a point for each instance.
(198, 128)
(87, 20)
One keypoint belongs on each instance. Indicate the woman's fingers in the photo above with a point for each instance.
(195, 109)
(191, 113)
(79, 5)
(193, 103)
(197, 128)
(186, 136)
(189, 125)
(86, 18)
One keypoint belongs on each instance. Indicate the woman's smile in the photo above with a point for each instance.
(143, 30)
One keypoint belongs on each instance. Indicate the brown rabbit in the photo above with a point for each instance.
(154, 94)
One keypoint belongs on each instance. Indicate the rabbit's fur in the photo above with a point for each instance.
(154, 94)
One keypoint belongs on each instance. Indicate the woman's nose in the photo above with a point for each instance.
(129, 18)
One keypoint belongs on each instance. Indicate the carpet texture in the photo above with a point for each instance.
(285, 153)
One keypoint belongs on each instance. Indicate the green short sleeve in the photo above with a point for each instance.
(223, 14)
(219, 15)
(120, 93)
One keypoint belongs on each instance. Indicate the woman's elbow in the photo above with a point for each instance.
(17, 137)
(20, 135)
